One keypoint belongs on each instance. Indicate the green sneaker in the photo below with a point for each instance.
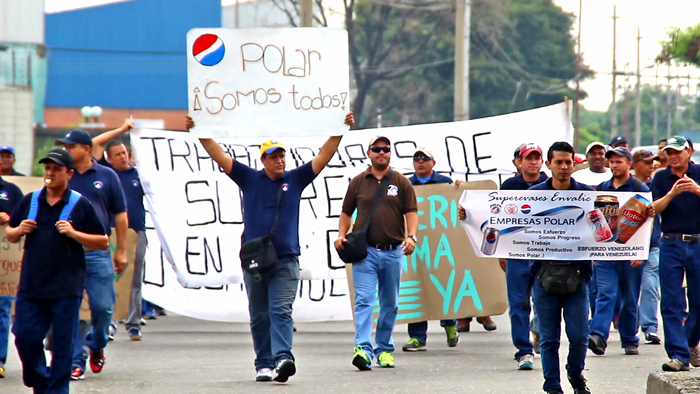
(385, 360)
(361, 360)
(452, 336)
(413, 345)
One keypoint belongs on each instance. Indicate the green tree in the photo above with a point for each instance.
(682, 46)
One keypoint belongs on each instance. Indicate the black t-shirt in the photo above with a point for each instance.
(53, 265)
(10, 195)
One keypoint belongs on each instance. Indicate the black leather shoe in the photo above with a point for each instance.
(555, 392)
(579, 385)
(596, 344)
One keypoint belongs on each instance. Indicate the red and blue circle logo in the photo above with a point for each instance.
(525, 208)
(98, 184)
(491, 238)
(285, 187)
(208, 49)
(3, 195)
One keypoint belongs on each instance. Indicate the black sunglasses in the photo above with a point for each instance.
(377, 149)
(421, 157)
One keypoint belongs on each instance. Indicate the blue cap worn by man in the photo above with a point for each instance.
(7, 161)
(618, 140)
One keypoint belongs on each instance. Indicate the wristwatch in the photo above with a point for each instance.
(413, 237)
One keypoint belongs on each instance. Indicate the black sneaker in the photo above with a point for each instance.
(631, 350)
(285, 369)
(596, 344)
(555, 392)
(579, 385)
(652, 338)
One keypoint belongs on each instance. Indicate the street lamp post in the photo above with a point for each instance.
(91, 116)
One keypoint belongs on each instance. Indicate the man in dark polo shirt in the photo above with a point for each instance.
(10, 195)
(53, 272)
(574, 306)
(518, 275)
(118, 160)
(7, 161)
(271, 293)
(677, 198)
(423, 163)
(101, 186)
(387, 243)
(617, 280)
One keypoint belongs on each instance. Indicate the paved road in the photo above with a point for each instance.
(183, 355)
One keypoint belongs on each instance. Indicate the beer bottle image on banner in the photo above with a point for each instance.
(490, 241)
(610, 208)
(632, 215)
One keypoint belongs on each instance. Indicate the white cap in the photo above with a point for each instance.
(594, 144)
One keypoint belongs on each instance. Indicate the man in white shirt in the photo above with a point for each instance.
(596, 173)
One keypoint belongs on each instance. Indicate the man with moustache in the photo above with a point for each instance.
(57, 224)
(573, 306)
(677, 198)
(617, 279)
(271, 292)
(387, 243)
(596, 171)
(644, 161)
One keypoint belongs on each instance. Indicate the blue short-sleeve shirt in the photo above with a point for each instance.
(131, 185)
(260, 202)
(632, 185)
(10, 195)
(53, 264)
(679, 216)
(101, 186)
(518, 183)
(434, 178)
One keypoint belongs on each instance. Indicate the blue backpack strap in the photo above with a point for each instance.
(68, 208)
(34, 205)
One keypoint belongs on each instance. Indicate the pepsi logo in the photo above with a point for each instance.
(510, 209)
(525, 209)
(98, 184)
(495, 208)
(208, 49)
(491, 238)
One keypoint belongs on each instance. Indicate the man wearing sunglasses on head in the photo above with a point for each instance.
(387, 243)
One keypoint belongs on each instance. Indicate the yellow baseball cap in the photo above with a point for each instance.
(270, 146)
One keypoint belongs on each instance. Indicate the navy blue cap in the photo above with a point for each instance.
(7, 148)
(76, 136)
(59, 156)
(620, 151)
(617, 140)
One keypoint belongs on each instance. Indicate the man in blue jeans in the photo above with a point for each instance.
(677, 198)
(622, 279)
(271, 292)
(10, 195)
(57, 224)
(101, 186)
(649, 297)
(573, 306)
(423, 163)
(518, 276)
(387, 244)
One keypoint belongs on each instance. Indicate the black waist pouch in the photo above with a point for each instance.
(355, 249)
(559, 277)
(258, 255)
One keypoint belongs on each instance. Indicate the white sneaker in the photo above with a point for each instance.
(264, 375)
(525, 362)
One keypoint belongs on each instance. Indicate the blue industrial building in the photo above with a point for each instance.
(130, 54)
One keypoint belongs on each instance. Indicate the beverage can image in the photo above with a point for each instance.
(632, 215)
(599, 226)
(610, 207)
(490, 242)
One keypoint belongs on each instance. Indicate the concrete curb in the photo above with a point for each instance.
(673, 383)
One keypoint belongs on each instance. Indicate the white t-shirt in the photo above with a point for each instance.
(590, 178)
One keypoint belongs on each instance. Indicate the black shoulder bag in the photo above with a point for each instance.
(560, 277)
(355, 248)
(259, 254)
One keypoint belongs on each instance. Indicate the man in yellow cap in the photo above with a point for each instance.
(271, 292)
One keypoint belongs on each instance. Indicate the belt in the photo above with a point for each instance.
(682, 237)
(387, 246)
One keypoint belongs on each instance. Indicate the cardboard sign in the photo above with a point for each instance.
(265, 82)
(443, 278)
(10, 264)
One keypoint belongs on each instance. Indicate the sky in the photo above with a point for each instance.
(651, 16)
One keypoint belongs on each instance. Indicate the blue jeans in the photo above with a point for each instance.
(549, 312)
(99, 285)
(379, 272)
(649, 297)
(5, 308)
(679, 257)
(32, 320)
(270, 302)
(419, 330)
(518, 283)
(617, 280)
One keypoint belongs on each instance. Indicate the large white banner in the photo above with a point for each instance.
(558, 225)
(257, 82)
(196, 210)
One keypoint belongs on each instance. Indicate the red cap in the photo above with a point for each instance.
(529, 148)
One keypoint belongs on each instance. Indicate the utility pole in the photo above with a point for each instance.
(461, 83)
(668, 103)
(306, 13)
(613, 107)
(578, 77)
(626, 105)
(638, 98)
